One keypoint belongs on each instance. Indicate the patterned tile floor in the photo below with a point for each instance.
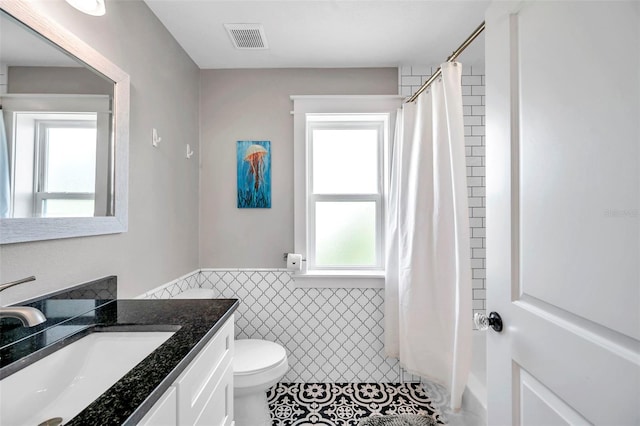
(344, 404)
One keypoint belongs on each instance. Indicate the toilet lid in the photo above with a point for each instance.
(253, 356)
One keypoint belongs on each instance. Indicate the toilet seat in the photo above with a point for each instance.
(254, 356)
(257, 363)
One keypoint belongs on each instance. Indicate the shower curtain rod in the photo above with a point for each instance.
(451, 58)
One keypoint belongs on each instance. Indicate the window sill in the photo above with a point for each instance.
(339, 279)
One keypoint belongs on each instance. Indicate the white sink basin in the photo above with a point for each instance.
(65, 382)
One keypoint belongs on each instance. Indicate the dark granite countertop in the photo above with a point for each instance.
(125, 403)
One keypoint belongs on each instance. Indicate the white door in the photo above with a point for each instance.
(563, 222)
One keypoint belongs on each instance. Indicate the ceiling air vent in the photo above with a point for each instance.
(247, 36)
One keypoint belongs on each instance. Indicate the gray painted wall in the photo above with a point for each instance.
(57, 80)
(254, 105)
(162, 242)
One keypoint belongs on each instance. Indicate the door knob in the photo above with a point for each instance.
(483, 322)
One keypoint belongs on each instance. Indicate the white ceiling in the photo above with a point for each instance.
(326, 33)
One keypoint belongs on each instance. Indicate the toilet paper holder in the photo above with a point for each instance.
(284, 257)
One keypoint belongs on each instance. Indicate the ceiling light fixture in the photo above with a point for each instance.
(90, 7)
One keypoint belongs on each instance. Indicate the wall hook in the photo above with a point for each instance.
(189, 152)
(155, 139)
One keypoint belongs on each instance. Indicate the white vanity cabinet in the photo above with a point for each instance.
(203, 393)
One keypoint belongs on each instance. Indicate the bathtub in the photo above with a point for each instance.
(474, 399)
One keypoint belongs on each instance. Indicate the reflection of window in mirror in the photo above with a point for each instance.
(60, 155)
(65, 173)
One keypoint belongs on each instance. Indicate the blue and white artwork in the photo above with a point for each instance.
(254, 174)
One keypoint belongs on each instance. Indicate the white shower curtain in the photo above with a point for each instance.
(5, 190)
(428, 272)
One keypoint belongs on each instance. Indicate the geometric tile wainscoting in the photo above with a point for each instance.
(330, 334)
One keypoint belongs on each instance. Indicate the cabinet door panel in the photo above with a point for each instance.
(218, 411)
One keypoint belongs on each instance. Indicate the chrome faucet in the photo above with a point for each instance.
(27, 315)
(16, 282)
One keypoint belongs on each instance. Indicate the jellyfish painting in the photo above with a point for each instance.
(254, 174)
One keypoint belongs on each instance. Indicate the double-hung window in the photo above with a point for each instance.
(341, 167)
(66, 163)
(345, 191)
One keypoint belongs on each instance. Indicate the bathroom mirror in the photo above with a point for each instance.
(64, 131)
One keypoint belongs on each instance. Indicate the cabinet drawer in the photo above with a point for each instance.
(164, 412)
(198, 381)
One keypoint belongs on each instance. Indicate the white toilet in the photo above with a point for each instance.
(257, 365)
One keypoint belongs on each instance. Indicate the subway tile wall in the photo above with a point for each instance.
(410, 78)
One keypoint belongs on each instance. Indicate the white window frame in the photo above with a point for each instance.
(113, 127)
(378, 122)
(349, 108)
(40, 181)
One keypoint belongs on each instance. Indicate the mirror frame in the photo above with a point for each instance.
(16, 230)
